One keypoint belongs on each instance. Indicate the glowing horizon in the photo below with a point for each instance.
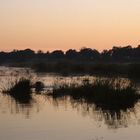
(53, 24)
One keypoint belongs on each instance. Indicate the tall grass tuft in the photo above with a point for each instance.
(112, 93)
(20, 90)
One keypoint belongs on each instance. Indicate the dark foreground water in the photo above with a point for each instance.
(44, 118)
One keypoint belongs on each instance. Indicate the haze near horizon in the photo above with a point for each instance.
(63, 24)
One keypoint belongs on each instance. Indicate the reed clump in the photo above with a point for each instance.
(113, 93)
(20, 90)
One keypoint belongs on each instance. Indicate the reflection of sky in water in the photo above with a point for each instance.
(63, 119)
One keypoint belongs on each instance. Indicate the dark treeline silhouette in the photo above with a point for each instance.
(116, 54)
(123, 61)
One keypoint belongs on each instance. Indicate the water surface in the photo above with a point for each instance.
(61, 119)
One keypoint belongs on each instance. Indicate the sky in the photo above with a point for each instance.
(64, 24)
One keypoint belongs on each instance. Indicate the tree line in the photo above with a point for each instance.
(116, 54)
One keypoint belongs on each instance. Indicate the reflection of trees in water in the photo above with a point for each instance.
(26, 108)
(112, 118)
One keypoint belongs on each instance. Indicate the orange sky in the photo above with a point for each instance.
(64, 24)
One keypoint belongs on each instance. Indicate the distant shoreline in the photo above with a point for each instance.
(118, 61)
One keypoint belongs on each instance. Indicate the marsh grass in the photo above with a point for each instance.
(39, 87)
(22, 85)
(131, 70)
(111, 94)
(20, 90)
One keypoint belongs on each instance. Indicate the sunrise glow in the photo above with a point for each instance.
(64, 24)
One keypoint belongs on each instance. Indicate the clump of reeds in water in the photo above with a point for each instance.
(22, 85)
(109, 93)
(39, 87)
(20, 90)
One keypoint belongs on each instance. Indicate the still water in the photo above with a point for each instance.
(44, 118)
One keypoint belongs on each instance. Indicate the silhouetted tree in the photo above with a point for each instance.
(57, 54)
(71, 54)
(88, 53)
